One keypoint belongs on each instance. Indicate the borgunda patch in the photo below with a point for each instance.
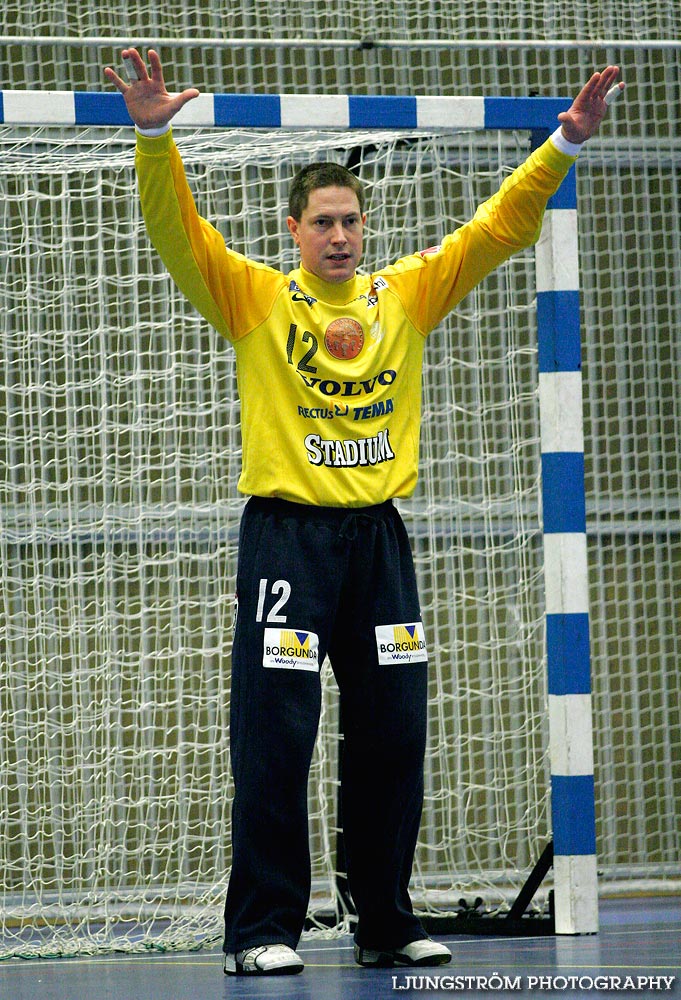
(401, 644)
(290, 649)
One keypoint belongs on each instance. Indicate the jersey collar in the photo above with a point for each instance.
(326, 291)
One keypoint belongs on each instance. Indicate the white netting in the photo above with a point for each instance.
(119, 520)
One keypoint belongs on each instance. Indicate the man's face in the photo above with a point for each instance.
(329, 233)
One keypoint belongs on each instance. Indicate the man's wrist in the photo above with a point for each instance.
(152, 132)
(564, 145)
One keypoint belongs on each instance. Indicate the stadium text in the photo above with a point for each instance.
(344, 454)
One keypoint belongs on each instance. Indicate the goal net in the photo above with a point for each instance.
(119, 456)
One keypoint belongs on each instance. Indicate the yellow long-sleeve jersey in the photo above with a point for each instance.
(329, 375)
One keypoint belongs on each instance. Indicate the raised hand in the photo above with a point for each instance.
(148, 102)
(589, 107)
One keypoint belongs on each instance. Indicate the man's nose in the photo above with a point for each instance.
(338, 233)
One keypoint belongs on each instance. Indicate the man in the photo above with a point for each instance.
(329, 372)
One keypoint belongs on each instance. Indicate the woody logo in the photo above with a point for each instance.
(344, 338)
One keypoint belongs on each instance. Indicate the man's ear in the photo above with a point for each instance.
(293, 229)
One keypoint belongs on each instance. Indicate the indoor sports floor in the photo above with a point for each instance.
(637, 951)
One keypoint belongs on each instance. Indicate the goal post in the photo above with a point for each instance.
(564, 693)
(565, 567)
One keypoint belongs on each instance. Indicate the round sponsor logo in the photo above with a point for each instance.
(344, 338)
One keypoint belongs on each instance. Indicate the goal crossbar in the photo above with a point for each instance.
(86, 108)
(560, 408)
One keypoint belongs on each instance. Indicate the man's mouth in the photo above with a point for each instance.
(339, 256)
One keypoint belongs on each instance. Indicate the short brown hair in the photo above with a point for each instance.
(320, 175)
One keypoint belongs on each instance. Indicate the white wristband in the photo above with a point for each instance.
(563, 144)
(152, 132)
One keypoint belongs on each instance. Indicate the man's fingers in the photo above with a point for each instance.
(155, 63)
(614, 93)
(608, 77)
(185, 97)
(600, 84)
(134, 65)
(114, 78)
(130, 69)
(149, 105)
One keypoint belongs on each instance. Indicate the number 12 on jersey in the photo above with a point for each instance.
(280, 591)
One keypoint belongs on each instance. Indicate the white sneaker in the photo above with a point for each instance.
(263, 960)
(421, 952)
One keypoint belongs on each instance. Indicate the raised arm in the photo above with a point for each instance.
(589, 107)
(148, 102)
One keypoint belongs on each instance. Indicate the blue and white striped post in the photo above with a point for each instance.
(272, 111)
(560, 394)
(565, 567)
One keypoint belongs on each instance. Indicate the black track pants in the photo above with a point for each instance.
(310, 581)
